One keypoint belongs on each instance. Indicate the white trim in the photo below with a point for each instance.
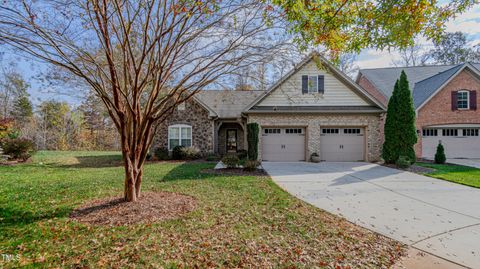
(466, 65)
(180, 127)
(458, 125)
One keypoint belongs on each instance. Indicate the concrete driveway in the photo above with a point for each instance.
(466, 162)
(436, 216)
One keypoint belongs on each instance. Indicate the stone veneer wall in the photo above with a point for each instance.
(438, 111)
(313, 122)
(194, 115)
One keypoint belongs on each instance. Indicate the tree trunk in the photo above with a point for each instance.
(133, 164)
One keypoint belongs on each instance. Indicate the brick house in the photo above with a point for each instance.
(445, 100)
(315, 108)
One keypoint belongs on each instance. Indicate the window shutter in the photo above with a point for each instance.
(304, 84)
(321, 84)
(454, 101)
(473, 100)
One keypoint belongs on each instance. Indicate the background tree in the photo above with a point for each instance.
(349, 26)
(400, 131)
(453, 48)
(346, 64)
(13, 94)
(98, 131)
(413, 55)
(144, 57)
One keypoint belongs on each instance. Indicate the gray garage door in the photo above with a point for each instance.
(458, 142)
(342, 144)
(283, 144)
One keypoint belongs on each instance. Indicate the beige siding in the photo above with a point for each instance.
(290, 92)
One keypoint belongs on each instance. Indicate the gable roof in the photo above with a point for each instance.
(425, 88)
(226, 103)
(336, 72)
(424, 80)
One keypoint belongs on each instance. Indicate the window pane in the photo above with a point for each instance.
(187, 142)
(173, 132)
(173, 143)
(186, 132)
(462, 99)
(312, 84)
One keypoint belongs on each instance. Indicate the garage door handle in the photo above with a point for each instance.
(283, 146)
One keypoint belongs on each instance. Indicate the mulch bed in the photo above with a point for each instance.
(150, 207)
(414, 168)
(235, 172)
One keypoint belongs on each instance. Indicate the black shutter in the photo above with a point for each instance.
(454, 101)
(473, 100)
(321, 84)
(304, 84)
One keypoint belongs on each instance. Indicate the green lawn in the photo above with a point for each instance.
(456, 173)
(240, 221)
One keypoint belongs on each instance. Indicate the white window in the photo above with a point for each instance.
(312, 84)
(272, 131)
(179, 135)
(450, 132)
(181, 106)
(293, 131)
(463, 99)
(430, 132)
(330, 131)
(470, 132)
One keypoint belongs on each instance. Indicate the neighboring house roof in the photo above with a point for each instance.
(425, 88)
(226, 103)
(330, 67)
(424, 80)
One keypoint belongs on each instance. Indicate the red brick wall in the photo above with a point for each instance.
(368, 86)
(438, 110)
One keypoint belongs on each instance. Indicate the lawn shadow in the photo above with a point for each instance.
(96, 161)
(14, 217)
(192, 171)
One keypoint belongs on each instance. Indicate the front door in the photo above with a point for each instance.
(231, 140)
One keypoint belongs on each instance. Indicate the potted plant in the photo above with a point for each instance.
(315, 158)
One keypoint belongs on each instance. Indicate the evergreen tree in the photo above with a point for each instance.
(440, 157)
(400, 130)
(22, 109)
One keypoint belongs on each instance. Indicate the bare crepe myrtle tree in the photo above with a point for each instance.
(143, 57)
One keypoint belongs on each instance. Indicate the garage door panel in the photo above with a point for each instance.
(340, 146)
(283, 146)
(455, 146)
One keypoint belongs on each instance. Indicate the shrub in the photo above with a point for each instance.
(178, 153)
(161, 153)
(251, 165)
(403, 162)
(252, 139)
(19, 148)
(242, 154)
(440, 157)
(191, 153)
(231, 160)
(211, 157)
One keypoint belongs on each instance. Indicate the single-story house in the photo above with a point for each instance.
(445, 101)
(315, 108)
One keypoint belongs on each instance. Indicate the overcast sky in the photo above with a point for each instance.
(469, 23)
